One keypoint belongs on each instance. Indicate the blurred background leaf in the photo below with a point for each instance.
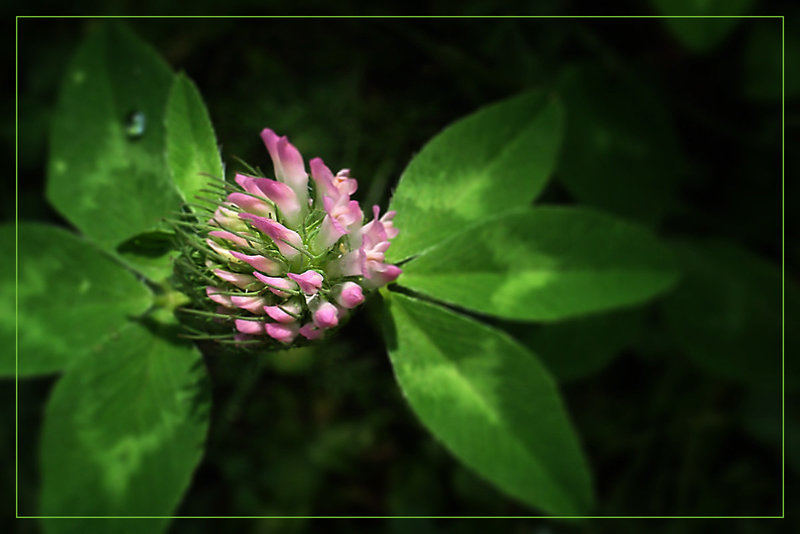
(726, 314)
(702, 35)
(621, 152)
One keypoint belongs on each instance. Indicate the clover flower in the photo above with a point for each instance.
(286, 260)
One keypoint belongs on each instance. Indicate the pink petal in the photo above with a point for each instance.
(323, 177)
(261, 263)
(246, 326)
(373, 232)
(348, 295)
(326, 315)
(388, 225)
(287, 241)
(309, 331)
(275, 284)
(222, 251)
(347, 212)
(284, 197)
(214, 294)
(382, 275)
(309, 282)
(251, 204)
(345, 184)
(285, 333)
(233, 238)
(279, 313)
(227, 218)
(248, 184)
(288, 163)
(329, 233)
(254, 305)
(240, 280)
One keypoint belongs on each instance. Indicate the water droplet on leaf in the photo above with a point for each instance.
(135, 124)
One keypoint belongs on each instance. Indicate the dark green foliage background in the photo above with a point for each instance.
(324, 431)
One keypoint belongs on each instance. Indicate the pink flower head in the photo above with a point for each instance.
(286, 265)
(283, 332)
(288, 241)
(288, 163)
(309, 282)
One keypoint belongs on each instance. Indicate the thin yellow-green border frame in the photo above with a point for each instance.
(452, 17)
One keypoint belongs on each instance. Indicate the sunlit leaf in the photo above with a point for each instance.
(107, 170)
(124, 429)
(192, 151)
(490, 402)
(545, 264)
(494, 160)
(72, 298)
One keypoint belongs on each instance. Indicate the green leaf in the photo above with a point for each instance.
(701, 35)
(72, 297)
(124, 429)
(107, 172)
(544, 264)
(726, 313)
(490, 402)
(191, 144)
(494, 160)
(578, 348)
(151, 254)
(621, 152)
